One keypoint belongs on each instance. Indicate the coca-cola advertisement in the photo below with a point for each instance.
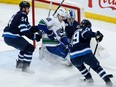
(104, 4)
(99, 7)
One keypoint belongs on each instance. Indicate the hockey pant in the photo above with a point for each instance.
(90, 60)
(26, 49)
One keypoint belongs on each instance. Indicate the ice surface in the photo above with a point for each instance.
(46, 74)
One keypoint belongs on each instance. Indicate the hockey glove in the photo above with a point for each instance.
(43, 27)
(37, 37)
(34, 29)
(69, 46)
(51, 34)
(99, 36)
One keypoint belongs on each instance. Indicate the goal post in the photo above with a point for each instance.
(67, 5)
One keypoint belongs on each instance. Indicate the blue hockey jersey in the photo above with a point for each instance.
(70, 29)
(81, 42)
(18, 25)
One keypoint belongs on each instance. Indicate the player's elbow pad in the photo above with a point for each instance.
(43, 28)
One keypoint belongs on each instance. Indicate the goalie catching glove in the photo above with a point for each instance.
(99, 36)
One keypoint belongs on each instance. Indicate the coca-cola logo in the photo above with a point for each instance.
(90, 3)
(104, 4)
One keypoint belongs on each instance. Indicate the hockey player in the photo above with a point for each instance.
(81, 52)
(71, 24)
(17, 27)
(54, 37)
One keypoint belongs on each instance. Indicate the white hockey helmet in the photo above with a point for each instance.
(61, 11)
(71, 14)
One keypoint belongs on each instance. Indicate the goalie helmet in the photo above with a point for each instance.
(71, 14)
(85, 23)
(24, 4)
(62, 12)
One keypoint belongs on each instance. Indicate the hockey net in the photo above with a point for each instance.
(40, 9)
(38, 5)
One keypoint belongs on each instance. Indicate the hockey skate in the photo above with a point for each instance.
(19, 64)
(108, 82)
(26, 68)
(89, 80)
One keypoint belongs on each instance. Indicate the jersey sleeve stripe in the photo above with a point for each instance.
(24, 29)
(22, 25)
(82, 34)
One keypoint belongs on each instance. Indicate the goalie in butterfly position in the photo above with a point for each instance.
(53, 35)
(81, 52)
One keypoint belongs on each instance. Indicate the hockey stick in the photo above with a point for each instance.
(109, 75)
(58, 7)
(50, 8)
(94, 53)
(59, 41)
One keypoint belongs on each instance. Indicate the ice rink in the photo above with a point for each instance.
(53, 75)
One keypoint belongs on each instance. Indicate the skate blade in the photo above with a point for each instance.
(28, 71)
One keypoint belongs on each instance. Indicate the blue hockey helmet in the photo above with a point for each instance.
(24, 4)
(85, 23)
(71, 14)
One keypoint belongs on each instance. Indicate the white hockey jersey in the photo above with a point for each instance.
(53, 24)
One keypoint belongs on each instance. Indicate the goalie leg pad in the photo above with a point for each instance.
(58, 50)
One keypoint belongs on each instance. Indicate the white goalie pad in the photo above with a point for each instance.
(52, 58)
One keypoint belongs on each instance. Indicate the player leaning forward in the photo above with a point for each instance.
(17, 27)
(54, 37)
(81, 52)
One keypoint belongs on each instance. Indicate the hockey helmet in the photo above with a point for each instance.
(24, 4)
(71, 14)
(85, 23)
(62, 12)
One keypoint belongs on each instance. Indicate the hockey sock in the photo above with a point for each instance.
(103, 74)
(21, 56)
(27, 57)
(84, 71)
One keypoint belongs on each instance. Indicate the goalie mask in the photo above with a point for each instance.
(71, 16)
